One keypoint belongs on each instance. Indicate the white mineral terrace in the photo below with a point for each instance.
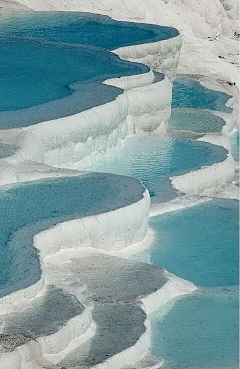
(84, 260)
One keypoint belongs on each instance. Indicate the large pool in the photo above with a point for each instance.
(83, 28)
(56, 50)
(44, 72)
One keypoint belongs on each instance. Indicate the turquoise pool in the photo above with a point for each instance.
(56, 50)
(199, 244)
(44, 72)
(195, 120)
(35, 206)
(154, 160)
(189, 93)
(83, 28)
(200, 331)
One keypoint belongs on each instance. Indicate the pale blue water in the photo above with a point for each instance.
(84, 28)
(199, 244)
(153, 160)
(200, 331)
(189, 93)
(195, 120)
(36, 206)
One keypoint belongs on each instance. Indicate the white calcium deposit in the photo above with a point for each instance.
(208, 32)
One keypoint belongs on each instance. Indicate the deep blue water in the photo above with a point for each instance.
(43, 72)
(153, 160)
(36, 206)
(195, 120)
(84, 28)
(189, 93)
(51, 56)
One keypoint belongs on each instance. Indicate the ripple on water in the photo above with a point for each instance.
(195, 120)
(189, 93)
(154, 160)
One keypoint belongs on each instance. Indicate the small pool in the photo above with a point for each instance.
(199, 244)
(154, 160)
(189, 93)
(195, 120)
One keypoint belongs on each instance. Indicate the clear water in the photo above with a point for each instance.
(35, 206)
(52, 57)
(153, 160)
(195, 120)
(83, 28)
(189, 93)
(199, 244)
(42, 72)
(200, 331)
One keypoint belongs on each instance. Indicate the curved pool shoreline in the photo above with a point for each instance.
(130, 117)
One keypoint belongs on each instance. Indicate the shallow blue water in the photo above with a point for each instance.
(195, 120)
(199, 244)
(200, 331)
(84, 28)
(189, 93)
(36, 206)
(153, 160)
